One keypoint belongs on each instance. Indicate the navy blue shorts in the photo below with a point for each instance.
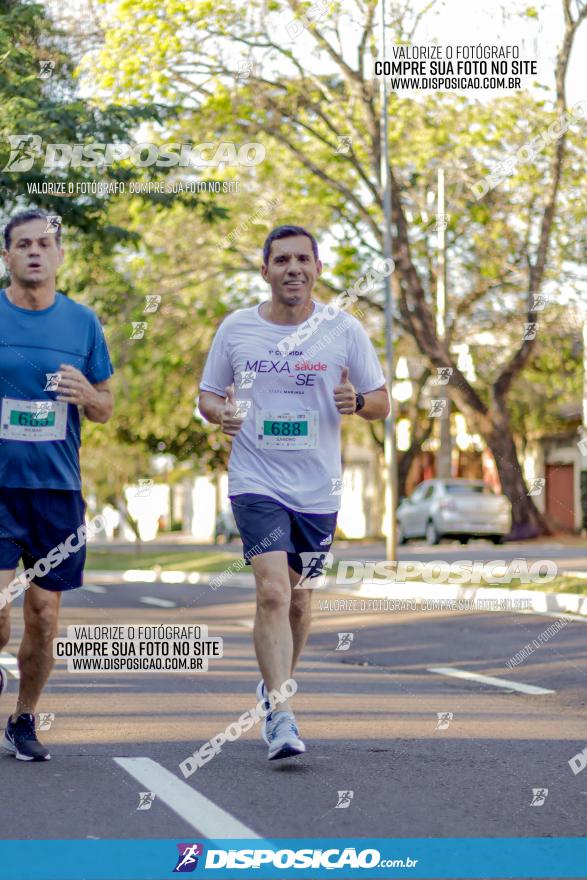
(266, 525)
(35, 521)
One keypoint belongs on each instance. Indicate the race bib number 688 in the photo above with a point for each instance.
(286, 430)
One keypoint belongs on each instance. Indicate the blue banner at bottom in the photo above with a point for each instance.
(307, 858)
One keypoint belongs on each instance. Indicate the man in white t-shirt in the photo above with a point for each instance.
(278, 378)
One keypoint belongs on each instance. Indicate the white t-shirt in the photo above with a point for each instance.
(289, 444)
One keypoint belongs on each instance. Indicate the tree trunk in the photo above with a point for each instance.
(527, 521)
(492, 422)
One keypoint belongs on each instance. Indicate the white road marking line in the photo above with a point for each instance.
(248, 623)
(160, 603)
(489, 679)
(10, 663)
(94, 588)
(202, 814)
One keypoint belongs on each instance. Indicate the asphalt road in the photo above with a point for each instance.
(369, 716)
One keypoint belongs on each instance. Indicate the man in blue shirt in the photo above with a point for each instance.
(53, 359)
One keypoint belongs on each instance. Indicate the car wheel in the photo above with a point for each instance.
(497, 539)
(432, 535)
(464, 539)
(401, 535)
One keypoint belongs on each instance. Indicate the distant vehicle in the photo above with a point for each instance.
(456, 508)
(225, 529)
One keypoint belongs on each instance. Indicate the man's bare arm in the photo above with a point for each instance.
(96, 400)
(376, 405)
(221, 411)
(101, 408)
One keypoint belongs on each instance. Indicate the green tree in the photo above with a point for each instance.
(504, 249)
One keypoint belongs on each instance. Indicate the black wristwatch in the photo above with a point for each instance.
(359, 402)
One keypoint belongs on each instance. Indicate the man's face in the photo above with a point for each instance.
(34, 255)
(292, 270)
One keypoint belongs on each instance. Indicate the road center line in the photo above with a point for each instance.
(489, 679)
(94, 588)
(161, 603)
(202, 814)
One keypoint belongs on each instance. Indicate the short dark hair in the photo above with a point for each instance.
(287, 232)
(25, 217)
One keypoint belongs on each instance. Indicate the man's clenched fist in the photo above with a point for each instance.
(345, 394)
(231, 416)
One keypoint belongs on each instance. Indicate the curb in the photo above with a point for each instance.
(488, 598)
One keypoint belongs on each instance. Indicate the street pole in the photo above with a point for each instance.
(445, 447)
(583, 440)
(585, 374)
(390, 454)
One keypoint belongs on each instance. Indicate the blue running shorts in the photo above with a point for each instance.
(265, 525)
(34, 522)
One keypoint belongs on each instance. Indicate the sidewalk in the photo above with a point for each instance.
(185, 541)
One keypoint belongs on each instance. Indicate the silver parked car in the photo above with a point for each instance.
(456, 508)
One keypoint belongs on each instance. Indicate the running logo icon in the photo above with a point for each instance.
(46, 68)
(138, 329)
(539, 795)
(537, 486)
(437, 407)
(23, 150)
(53, 380)
(344, 800)
(247, 377)
(344, 641)
(444, 719)
(152, 302)
(46, 719)
(187, 860)
(146, 799)
(53, 223)
(314, 565)
(345, 145)
(443, 375)
(45, 407)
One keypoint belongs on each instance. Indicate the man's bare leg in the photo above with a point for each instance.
(272, 633)
(35, 656)
(300, 617)
(5, 578)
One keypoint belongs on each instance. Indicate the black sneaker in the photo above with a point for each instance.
(20, 739)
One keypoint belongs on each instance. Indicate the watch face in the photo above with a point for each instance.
(360, 402)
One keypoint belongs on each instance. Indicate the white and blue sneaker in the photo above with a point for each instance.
(284, 737)
(261, 694)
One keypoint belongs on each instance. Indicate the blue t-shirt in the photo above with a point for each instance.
(33, 344)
